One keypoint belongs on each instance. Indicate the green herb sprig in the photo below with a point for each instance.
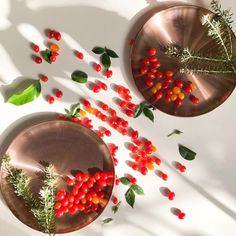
(145, 109)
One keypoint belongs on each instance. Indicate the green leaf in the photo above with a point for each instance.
(29, 94)
(111, 53)
(74, 109)
(116, 207)
(148, 113)
(130, 197)
(138, 111)
(98, 50)
(107, 220)
(175, 131)
(79, 76)
(186, 153)
(46, 54)
(125, 181)
(137, 189)
(106, 61)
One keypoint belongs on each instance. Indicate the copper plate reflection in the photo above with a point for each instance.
(180, 26)
(68, 146)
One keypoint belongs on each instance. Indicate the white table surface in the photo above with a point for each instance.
(206, 192)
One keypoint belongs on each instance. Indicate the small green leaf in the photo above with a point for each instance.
(138, 111)
(98, 50)
(130, 197)
(125, 181)
(74, 109)
(106, 221)
(186, 153)
(148, 113)
(137, 189)
(79, 76)
(116, 207)
(27, 95)
(175, 131)
(111, 53)
(46, 54)
(106, 61)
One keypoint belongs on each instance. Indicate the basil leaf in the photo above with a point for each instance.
(125, 181)
(46, 54)
(186, 153)
(148, 113)
(74, 109)
(138, 111)
(111, 53)
(116, 207)
(79, 76)
(106, 61)
(29, 94)
(137, 189)
(98, 50)
(107, 220)
(130, 197)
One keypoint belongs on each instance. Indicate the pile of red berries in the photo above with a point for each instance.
(163, 85)
(88, 193)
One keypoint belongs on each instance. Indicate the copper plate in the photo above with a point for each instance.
(68, 146)
(180, 26)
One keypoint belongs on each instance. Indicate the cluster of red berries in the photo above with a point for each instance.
(53, 34)
(98, 86)
(88, 193)
(163, 85)
(58, 94)
(107, 73)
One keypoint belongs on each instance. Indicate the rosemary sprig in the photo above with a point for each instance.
(20, 182)
(45, 214)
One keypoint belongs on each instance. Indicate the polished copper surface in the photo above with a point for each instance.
(180, 26)
(68, 146)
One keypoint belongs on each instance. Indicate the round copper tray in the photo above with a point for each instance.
(68, 146)
(180, 26)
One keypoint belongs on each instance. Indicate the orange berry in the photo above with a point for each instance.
(95, 200)
(176, 90)
(54, 48)
(154, 148)
(150, 166)
(153, 90)
(193, 86)
(181, 96)
(158, 86)
(173, 97)
(82, 112)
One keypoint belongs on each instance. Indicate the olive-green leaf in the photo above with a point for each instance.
(98, 50)
(79, 76)
(116, 207)
(29, 94)
(186, 153)
(148, 113)
(107, 220)
(125, 181)
(106, 61)
(130, 197)
(137, 189)
(111, 53)
(46, 54)
(138, 111)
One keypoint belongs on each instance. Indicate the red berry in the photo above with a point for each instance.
(124, 124)
(134, 149)
(57, 36)
(98, 67)
(153, 59)
(126, 91)
(71, 198)
(44, 78)
(194, 100)
(127, 98)
(35, 47)
(51, 34)
(138, 142)
(156, 65)
(103, 86)
(112, 112)
(38, 60)
(117, 181)
(80, 55)
(61, 195)
(143, 170)
(114, 200)
(59, 93)
(123, 104)
(105, 107)
(104, 117)
(178, 102)
(109, 74)
(107, 132)
(152, 51)
(145, 61)
(169, 73)
(181, 215)
(168, 97)
(134, 134)
(187, 88)
(150, 75)
(129, 112)
(120, 90)
(181, 168)
(55, 54)
(171, 195)
(159, 75)
(70, 181)
(143, 70)
(124, 131)
(178, 83)
(158, 95)
(50, 99)
(59, 213)
(65, 202)
(96, 88)
(53, 58)
(132, 179)
(157, 160)
(73, 210)
(58, 205)
(149, 82)
(134, 166)
(164, 176)
(86, 103)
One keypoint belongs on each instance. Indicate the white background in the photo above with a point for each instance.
(206, 192)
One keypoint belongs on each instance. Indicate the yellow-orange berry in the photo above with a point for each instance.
(150, 166)
(193, 86)
(173, 97)
(154, 148)
(95, 200)
(82, 112)
(158, 86)
(176, 90)
(181, 96)
(54, 48)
